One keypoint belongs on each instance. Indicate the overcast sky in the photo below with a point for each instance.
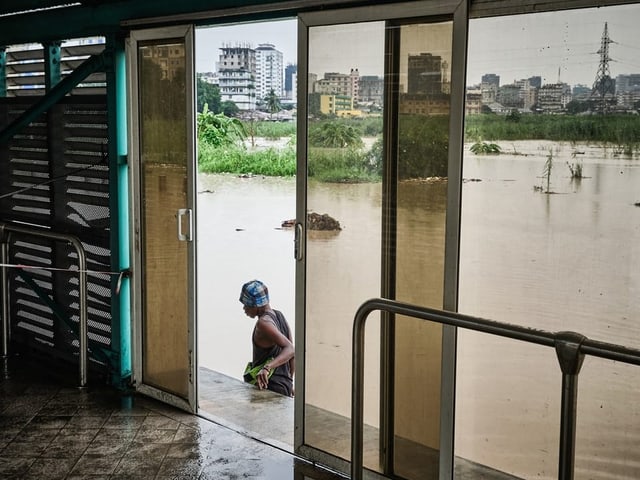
(556, 46)
(283, 34)
(541, 44)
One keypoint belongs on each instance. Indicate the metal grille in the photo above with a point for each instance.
(55, 174)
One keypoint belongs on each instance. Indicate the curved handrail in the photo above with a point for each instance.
(570, 348)
(82, 286)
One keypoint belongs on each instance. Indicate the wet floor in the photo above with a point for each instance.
(51, 430)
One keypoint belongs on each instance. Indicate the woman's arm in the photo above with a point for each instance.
(267, 335)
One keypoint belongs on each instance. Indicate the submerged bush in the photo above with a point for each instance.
(231, 159)
(423, 146)
(342, 165)
(483, 147)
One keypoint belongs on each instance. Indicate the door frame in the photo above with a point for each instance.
(187, 33)
(458, 12)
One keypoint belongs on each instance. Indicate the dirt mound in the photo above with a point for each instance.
(316, 221)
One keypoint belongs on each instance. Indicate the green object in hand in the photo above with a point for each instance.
(251, 372)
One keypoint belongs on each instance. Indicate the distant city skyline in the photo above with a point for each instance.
(560, 45)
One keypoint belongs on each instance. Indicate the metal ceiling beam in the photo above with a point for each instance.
(10, 7)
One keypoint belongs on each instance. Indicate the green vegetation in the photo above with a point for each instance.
(217, 129)
(423, 146)
(207, 94)
(334, 135)
(343, 165)
(337, 152)
(480, 148)
(272, 102)
(273, 130)
(340, 156)
(618, 130)
(238, 160)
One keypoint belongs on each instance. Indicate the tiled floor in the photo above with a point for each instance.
(52, 431)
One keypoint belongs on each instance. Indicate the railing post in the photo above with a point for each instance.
(82, 287)
(567, 346)
(6, 330)
(357, 392)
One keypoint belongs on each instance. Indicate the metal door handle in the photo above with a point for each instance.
(182, 212)
(298, 242)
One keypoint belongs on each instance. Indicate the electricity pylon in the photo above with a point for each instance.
(603, 92)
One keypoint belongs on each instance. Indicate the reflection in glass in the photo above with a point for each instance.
(344, 267)
(163, 154)
(423, 106)
(549, 235)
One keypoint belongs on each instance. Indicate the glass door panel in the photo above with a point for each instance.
(342, 262)
(164, 179)
(375, 143)
(550, 238)
(165, 167)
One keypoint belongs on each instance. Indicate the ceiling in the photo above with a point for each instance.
(12, 7)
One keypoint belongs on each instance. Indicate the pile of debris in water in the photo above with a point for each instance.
(316, 221)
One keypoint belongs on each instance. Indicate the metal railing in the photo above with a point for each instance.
(6, 229)
(570, 348)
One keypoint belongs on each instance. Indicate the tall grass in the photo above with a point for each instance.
(272, 130)
(233, 159)
(617, 130)
(343, 165)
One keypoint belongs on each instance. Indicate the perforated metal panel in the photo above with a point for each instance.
(55, 174)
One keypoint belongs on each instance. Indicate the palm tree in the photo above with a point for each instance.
(335, 135)
(273, 103)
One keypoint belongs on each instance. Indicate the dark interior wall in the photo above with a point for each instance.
(104, 17)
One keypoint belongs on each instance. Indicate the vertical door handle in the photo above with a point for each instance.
(185, 213)
(298, 242)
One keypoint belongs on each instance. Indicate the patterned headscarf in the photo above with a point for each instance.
(254, 294)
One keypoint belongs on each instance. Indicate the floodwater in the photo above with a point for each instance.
(566, 259)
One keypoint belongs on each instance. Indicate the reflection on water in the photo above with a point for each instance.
(562, 261)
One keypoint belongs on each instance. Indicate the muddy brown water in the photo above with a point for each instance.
(564, 260)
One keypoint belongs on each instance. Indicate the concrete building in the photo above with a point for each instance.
(628, 90)
(269, 71)
(341, 105)
(553, 97)
(290, 81)
(581, 92)
(473, 102)
(371, 89)
(490, 79)
(237, 75)
(424, 75)
(510, 96)
(336, 83)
